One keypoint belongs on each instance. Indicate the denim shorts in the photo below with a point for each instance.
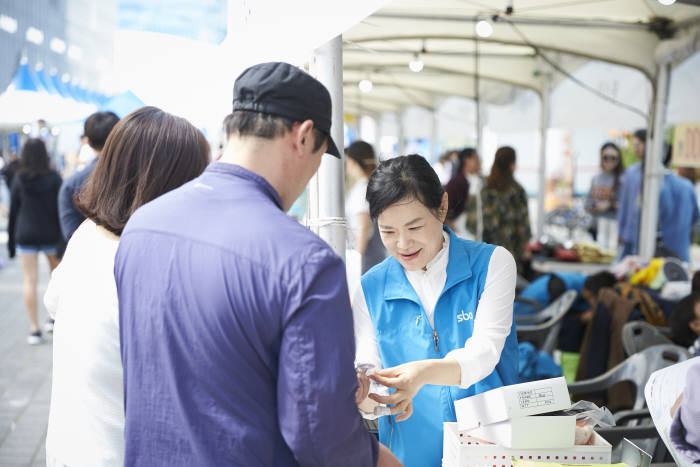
(35, 249)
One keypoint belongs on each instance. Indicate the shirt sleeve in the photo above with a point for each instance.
(367, 350)
(492, 323)
(316, 386)
(51, 297)
(15, 202)
(69, 217)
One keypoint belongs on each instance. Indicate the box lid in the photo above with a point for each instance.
(514, 401)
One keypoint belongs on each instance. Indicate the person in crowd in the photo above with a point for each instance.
(678, 207)
(457, 190)
(435, 319)
(359, 164)
(445, 166)
(474, 206)
(33, 226)
(148, 153)
(601, 201)
(684, 432)
(506, 218)
(685, 323)
(96, 129)
(9, 170)
(235, 320)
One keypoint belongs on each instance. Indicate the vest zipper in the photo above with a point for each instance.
(436, 340)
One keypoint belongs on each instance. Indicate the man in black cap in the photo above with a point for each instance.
(236, 328)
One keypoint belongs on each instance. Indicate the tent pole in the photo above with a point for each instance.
(544, 125)
(326, 187)
(401, 144)
(433, 136)
(653, 170)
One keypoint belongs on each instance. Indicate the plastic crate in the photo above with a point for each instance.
(461, 450)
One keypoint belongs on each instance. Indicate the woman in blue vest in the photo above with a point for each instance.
(435, 318)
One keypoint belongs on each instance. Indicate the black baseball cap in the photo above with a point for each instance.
(281, 89)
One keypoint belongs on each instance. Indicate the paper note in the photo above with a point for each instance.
(539, 397)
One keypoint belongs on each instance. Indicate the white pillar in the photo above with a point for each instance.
(544, 125)
(326, 193)
(653, 169)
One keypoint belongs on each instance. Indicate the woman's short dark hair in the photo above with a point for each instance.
(400, 178)
(501, 176)
(262, 125)
(34, 160)
(680, 319)
(148, 153)
(97, 128)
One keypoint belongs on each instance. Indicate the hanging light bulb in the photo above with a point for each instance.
(484, 28)
(365, 85)
(667, 2)
(416, 65)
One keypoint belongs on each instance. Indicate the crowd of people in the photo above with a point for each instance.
(196, 323)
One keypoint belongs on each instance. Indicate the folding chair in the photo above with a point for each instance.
(638, 335)
(544, 330)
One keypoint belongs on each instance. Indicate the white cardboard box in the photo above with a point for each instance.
(461, 450)
(534, 432)
(512, 402)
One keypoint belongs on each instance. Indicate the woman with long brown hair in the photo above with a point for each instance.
(506, 218)
(148, 153)
(33, 225)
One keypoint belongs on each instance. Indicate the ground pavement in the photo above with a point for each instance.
(25, 371)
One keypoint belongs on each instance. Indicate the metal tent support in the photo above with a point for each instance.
(544, 126)
(653, 169)
(326, 194)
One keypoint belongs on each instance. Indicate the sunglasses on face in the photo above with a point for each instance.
(608, 158)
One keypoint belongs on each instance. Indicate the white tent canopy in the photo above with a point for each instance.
(442, 33)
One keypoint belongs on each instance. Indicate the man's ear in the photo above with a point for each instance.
(303, 135)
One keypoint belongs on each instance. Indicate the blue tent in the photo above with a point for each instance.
(122, 104)
(25, 79)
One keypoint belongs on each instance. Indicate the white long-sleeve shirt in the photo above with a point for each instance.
(492, 321)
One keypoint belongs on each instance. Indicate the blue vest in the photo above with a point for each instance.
(404, 335)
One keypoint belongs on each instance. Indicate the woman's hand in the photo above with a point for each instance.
(407, 380)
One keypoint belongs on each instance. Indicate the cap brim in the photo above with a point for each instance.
(332, 148)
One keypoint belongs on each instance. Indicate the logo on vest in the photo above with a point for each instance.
(465, 316)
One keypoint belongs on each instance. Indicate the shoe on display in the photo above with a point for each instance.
(48, 327)
(35, 338)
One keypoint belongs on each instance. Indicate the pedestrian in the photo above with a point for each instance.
(33, 226)
(149, 153)
(236, 327)
(359, 164)
(96, 129)
(505, 210)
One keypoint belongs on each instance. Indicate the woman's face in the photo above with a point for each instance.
(411, 232)
(610, 158)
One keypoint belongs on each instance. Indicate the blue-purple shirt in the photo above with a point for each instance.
(236, 333)
(678, 211)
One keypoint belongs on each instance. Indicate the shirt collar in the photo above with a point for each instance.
(233, 170)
